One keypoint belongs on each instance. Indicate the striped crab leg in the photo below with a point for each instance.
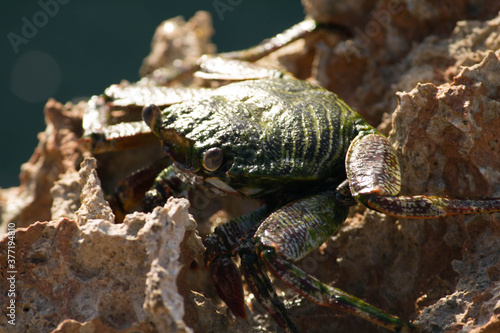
(374, 179)
(296, 229)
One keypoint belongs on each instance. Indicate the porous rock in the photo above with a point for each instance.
(365, 69)
(102, 277)
(57, 152)
(176, 40)
(66, 196)
(92, 198)
(448, 143)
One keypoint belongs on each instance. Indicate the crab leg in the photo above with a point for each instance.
(288, 36)
(119, 137)
(238, 65)
(128, 100)
(136, 96)
(421, 206)
(263, 290)
(130, 190)
(293, 231)
(228, 240)
(165, 185)
(374, 179)
(225, 66)
(325, 295)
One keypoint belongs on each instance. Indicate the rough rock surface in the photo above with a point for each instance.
(176, 40)
(366, 68)
(448, 143)
(99, 276)
(92, 200)
(95, 276)
(57, 152)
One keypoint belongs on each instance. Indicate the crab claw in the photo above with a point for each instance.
(227, 281)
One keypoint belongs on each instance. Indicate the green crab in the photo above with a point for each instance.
(297, 147)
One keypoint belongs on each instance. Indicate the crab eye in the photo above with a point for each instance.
(213, 158)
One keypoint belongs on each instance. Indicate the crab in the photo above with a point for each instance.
(293, 145)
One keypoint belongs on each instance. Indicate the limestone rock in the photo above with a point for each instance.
(57, 152)
(102, 277)
(176, 40)
(92, 198)
(66, 196)
(366, 68)
(448, 145)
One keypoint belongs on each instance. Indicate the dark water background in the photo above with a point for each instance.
(73, 49)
